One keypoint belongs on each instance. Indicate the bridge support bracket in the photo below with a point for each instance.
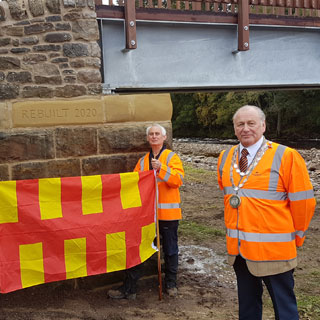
(130, 25)
(243, 25)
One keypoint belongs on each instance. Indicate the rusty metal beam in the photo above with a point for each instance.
(130, 25)
(243, 25)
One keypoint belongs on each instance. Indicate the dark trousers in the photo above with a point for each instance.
(169, 240)
(280, 287)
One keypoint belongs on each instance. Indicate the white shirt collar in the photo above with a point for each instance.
(253, 148)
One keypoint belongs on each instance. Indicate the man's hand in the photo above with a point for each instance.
(156, 164)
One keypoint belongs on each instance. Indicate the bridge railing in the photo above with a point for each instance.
(299, 8)
(244, 13)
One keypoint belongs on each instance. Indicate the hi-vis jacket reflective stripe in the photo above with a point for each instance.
(277, 204)
(170, 178)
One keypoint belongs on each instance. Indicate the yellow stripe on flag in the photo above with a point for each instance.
(148, 234)
(50, 198)
(130, 194)
(75, 258)
(91, 194)
(116, 251)
(31, 264)
(8, 202)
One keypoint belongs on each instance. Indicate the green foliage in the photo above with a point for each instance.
(290, 114)
(184, 118)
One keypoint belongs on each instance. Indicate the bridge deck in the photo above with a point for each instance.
(188, 50)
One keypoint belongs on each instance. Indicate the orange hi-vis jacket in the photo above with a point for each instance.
(277, 204)
(170, 178)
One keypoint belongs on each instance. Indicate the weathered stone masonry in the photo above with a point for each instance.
(54, 120)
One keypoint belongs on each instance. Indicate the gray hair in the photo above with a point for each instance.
(163, 130)
(261, 114)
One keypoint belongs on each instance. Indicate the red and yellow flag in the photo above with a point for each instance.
(62, 228)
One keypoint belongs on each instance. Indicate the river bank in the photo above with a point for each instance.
(205, 153)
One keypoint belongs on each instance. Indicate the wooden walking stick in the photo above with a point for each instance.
(158, 240)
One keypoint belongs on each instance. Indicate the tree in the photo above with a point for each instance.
(294, 114)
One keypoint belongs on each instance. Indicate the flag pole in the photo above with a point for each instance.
(158, 240)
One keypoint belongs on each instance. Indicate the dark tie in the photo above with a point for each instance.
(243, 163)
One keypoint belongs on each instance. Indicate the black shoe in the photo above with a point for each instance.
(120, 294)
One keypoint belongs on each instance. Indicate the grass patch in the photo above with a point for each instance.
(193, 174)
(308, 297)
(198, 232)
(309, 306)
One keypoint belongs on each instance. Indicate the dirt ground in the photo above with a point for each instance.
(207, 287)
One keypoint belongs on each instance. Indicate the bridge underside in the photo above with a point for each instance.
(172, 57)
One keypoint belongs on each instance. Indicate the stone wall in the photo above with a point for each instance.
(48, 48)
(54, 120)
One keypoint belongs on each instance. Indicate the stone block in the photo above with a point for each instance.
(4, 41)
(4, 172)
(55, 80)
(53, 6)
(50, 112)
(79, 63)
(15, 43)
(59, 60)
(95, 50)
(9, 91)
(86, 30)
(16, 10)
(20, 50)
(7, 63)
(81, 3)
(75, 142)
(93, 63)
(57, 37)
(15, 31)
(4, 116)
(63, 27)
(21, 77)
(47, 48)
(36, 7)
(47, 73)
(70, 91)
(123, 138)
(91, 4)
(38, 28)
(104, 165)
(72, 16)
(63, 66)
(34, 58)
(24, 146)
(70, 79)
(74, 50)
(46, 169)
(53, 18)
(69, 3)
(89, 76)
(37, 92)
(30, 40)
(2, 14)
(143, 107)
(95, 89)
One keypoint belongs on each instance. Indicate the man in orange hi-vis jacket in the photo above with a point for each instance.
(170, 173)
(269, 203)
